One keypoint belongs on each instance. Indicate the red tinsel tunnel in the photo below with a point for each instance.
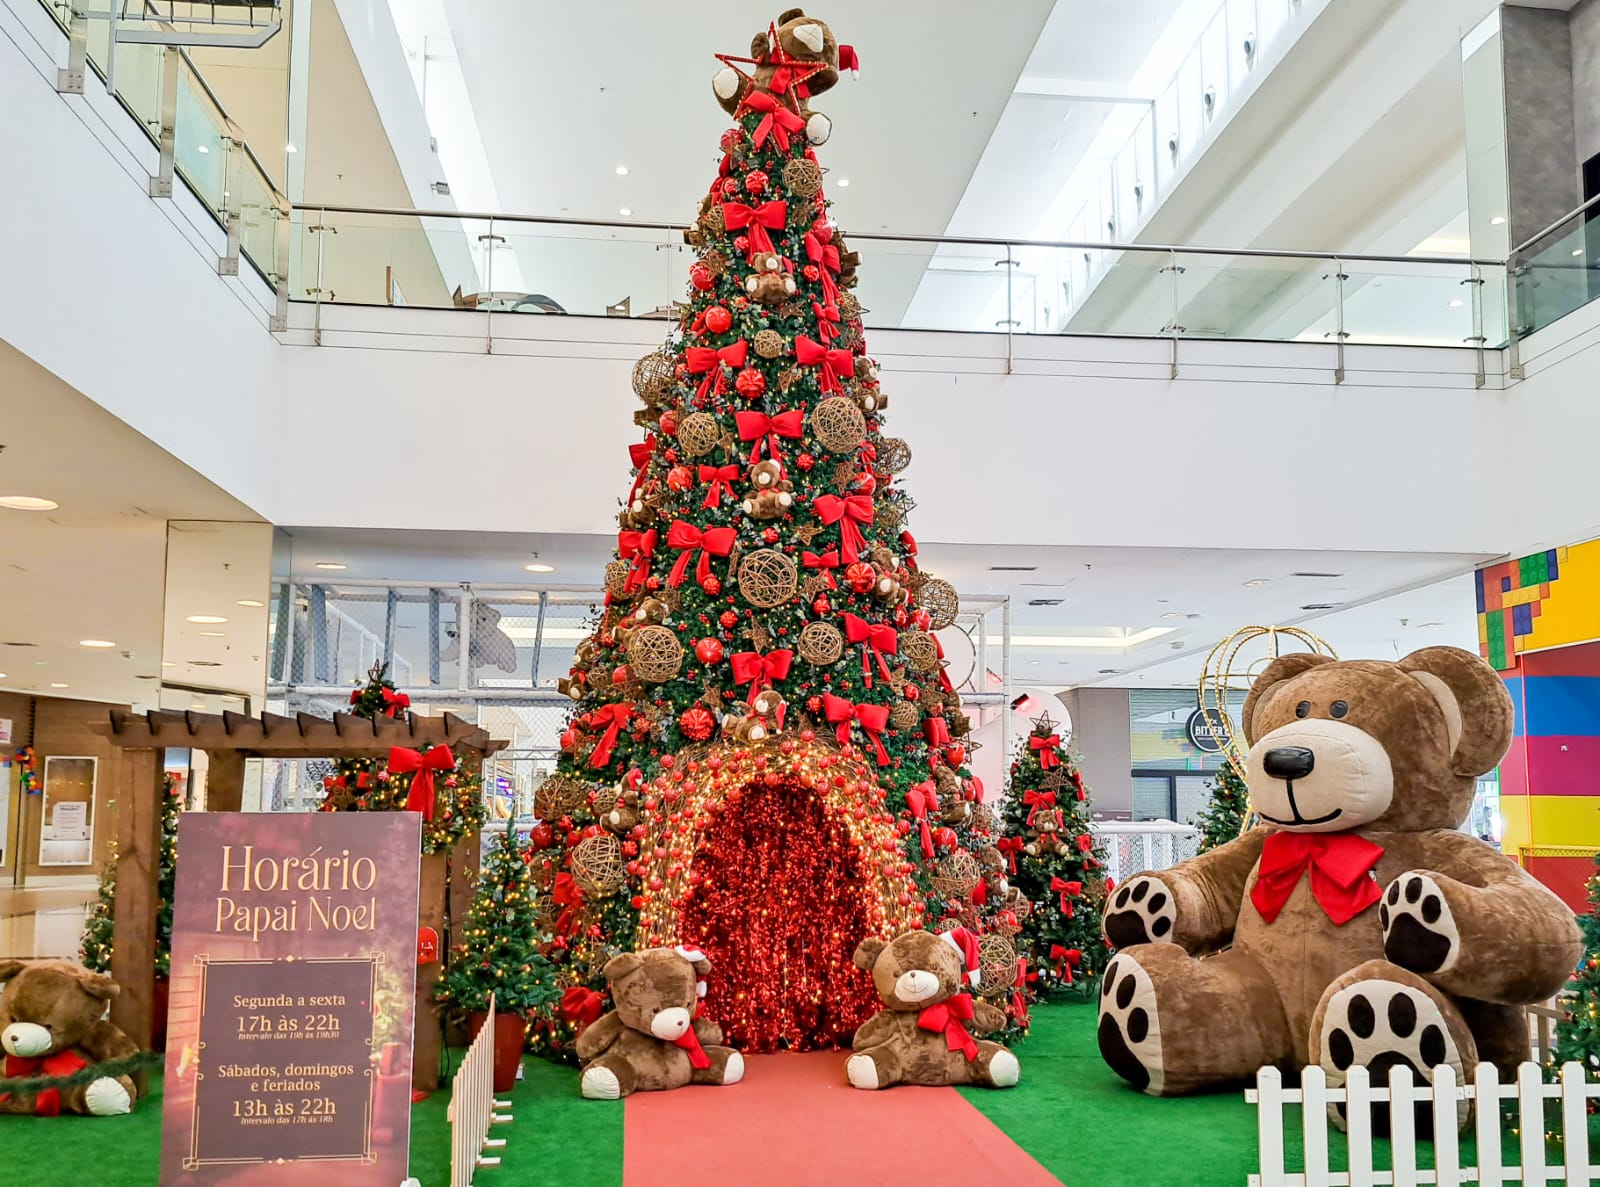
(779, 906)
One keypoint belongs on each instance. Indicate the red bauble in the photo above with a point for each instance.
(821, 607)
(755, 182)
(569, 739)
(911, 692)
(700, 276)
(696, 722)
(811, 272)
(751, 384)
(542, 835)
(718, 319)
(670, 453)
(680, 478)
(730, 186)
(730, 140)
(712, 584)
(708, 650)
(865, 483)
(669, 423)
(955, 755)
(813, 704)
(769, 536)
(741, 243)
(728, 619)
(860, 576)
(620, 674)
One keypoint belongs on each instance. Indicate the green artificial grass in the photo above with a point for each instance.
(68, 1151)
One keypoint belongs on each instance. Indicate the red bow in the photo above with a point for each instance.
(846, 512)
(1046, 747)
(950, 1016)
(1019, 993)
(834, 363)
(827, 320)
(613, 717)
(1066, 890)
(756, 426)
(909, 543)
(777, 120)
(568, 895)
(937, 731)
(685, 537)
(47, 1101)
(875, 638)
(1010, 846)
(721, 480)
(703, 360)
(1036, 800)
(972, 790)
(403, 760)
(828, 560)
(820, 249)
(872, 719)
(1065, 959)
(1339, 864)
(759, 671)
(690, 1042)
(640, 548)
(394, 702)
(921, 799)
(768, 216)
(582, 1005)
(639, 454)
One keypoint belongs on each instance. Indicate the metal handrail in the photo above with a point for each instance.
(279, 198)
(1571, 214)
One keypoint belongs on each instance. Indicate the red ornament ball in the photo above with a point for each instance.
(669, 423)
(865, 483)
(821, 607)
(712, 584)
(769, 536)
(728, 619)
(956, 755)
(751, 383)
(755, 182)
(680, 478)
(730, 140)
(911, 692)
(741, 243)
(861, 576)
(620, 674)
(542, 835)
(813, 705)
(569, 739)
(700, 276)
(805, 461)
(708, 650)
(730, 186)
(811, 272)
(718, 319)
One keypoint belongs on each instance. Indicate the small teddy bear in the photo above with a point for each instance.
(1046, 834)
(922, 1035)
(764, 719)
(772, 494)
(649, 612)
(771, 282)
(801, 39)
(651, 1040)
(624, 814)
(52, 1024)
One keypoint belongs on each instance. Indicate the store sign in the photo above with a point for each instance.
(289, 1038)
(1207, 730)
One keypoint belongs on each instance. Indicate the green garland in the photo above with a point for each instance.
(112, 1068)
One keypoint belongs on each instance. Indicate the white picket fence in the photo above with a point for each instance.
(1442, 1096)
(473, 1108)
(1132, 846)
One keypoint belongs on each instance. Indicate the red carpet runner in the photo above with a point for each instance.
(796, 1122)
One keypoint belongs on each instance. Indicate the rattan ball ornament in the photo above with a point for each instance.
(982, 819)
(821, 644)
(769, 343)
(698, 434)
(838, 425)
(711, 220)
(889, 515)
(653, 375)
(997, 961)
(654, 653)
(802, 178)
(597, 865)
(939, 598)
(919, 649)
(557, 796)
(617, 578)
(849, 307)
(956, 875)
(905, 716)
(716, 263)
(894, 455)
(767, 578)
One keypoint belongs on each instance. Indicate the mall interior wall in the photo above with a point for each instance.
(1101, 746)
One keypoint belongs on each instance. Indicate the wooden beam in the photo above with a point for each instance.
(304, 736)
(225, 781)
(138, 788)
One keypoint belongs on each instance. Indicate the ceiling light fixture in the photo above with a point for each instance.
(251, 602)
(331, 566)
(206, 619)
(95, 643)
(625, 212)
(1457, 303)
(2, 675)
(1498, 221)
(290, 148)
(1423, 626)
(1255, 583)
(167, 663)
(539, 567)
(28, 503)
(1577, 251)
(214, 634)
(844, 183)
(622, 171)
(58, 684)
(1172, 614)
(202, 148)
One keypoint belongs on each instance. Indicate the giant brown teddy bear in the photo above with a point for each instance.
(1357, 926)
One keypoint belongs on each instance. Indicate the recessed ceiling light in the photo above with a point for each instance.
(95, 643)
(251, 602)
(1422, 626)
(624, 212)
(1259, 581)
(1108, 672)
(167, 663)
(58, 684)
(622, 171)
(1457, 303)
(331, 566)
(203, 149)
(1498, 220)
(1172, 614)
(1033, 663)
(1577, 251)
(844, 182)
(28, 503)
(539, 567)
(2, 675)
(290, 148)
(214, 634)
(206, 619)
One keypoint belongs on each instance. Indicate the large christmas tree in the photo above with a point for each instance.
(1057, 864)
(1222, 819)
(1578, 1036)
(761, 714)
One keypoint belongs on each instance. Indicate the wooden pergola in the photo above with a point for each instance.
(137, 782)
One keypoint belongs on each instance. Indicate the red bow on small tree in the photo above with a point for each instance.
(1046, 748)
(1067, 890)
(876, 639)
(613, 717)
(922, 799)
(759, 671)
(1065, 959)
(582, 1005)
(825, 562)
(1034, 800)
(394, 702)
(703, 360)
(421, 765)
(1010, 847)
(720, 479)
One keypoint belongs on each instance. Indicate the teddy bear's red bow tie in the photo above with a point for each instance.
(47, 1102)
(690, 1042)
(950, 1016)
(1339, 864)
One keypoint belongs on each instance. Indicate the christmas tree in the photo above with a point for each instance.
(1056, 864)
(447, 793)
(500, 940)
(1578, 1036)
(1223, 818)
(94, 949)
(761, 714)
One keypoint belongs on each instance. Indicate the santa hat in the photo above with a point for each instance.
(964, 942)
(849, 60)
(693, 955)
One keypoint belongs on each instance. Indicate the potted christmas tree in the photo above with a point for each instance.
(1223, 818)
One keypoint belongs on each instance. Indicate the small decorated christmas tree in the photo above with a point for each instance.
(1578, 1037)
(95, 947)
(1223, 818)
(1056, 864)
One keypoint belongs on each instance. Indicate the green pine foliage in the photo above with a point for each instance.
(499, 949)
(1060, 867)
(94, 948)
(1578, 1037)
(1223, 818)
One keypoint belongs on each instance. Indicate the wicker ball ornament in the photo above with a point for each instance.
(905, 716)
(698, 434)
(821, 644)
(769, 343)
(767, 578)
(997, 961)
(956, 875)
(894, 455)
(557, 796)
(654, 654)
(617, 578)
(715, 262)
(919, 649)
(597, 865)
(849, 307)
(711, 220)
(653, 375)
(939, 598)
(802, 178)
(838, 425)
(982, 819)
(602, 799)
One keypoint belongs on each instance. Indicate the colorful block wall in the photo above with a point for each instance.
(1548, 599)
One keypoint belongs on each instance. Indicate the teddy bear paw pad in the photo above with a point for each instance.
(863, 1072)
(1380, 1025)
(1419, 933)
(1130, 1031)
(733, 1071)
(1142, 912)
(1004, 1070)
(600, 1083)
(106, 1097)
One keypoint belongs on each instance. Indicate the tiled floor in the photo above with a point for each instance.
(44, 922)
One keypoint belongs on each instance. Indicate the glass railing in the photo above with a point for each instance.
(506, 263)
(1558, 270)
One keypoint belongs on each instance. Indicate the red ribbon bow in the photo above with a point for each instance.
(568, 895)
(1019, 993)
(834, 363)
(909, 543)
(640, 548)
(777, 120)
(847, 513)
(403, 760)
(758, 426)
(1048, 758)
(820, 249)
(394, 702)
(1065, 960)
(639, 454)
(721, 480)
(1010, 846)
(613, 717)
(1067, 890)
(875, 640)
(828, 560)
(950, 1016)
(873, 720)
(690, 1042)
(47, 1101)
(1036, 800)
(1339, 864)
(759, 671)
(704, 360)
(581, 1004)
(827, 320)
(760, 219)
(921, 799)
(972, 790)
(937, 731)
(686, 538)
